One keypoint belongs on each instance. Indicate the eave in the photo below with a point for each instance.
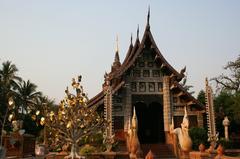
(182, 93)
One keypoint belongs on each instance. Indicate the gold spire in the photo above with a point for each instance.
(131, 39)
(138, 32)
(117, 47)
(116, 63)
(148, 16)
(206, 81)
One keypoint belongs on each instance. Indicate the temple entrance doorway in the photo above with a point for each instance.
(149, 110)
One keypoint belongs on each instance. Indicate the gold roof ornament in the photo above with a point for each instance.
(117, 44)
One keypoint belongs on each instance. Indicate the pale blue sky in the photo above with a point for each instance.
(52, 41)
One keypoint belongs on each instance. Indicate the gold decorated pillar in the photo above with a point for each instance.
(109, 135)
(128, 108)
(166, 105)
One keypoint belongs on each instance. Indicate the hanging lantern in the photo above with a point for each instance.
(69, 124)
(10, 117)
(33, 117)
(37, 112)
(59, 115)
(42, 121)
(51, 115)
(82, 126)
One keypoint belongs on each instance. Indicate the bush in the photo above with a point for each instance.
(87, 149)
(198, 136)
(227, 144)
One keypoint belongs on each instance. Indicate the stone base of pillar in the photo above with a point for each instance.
(185, 155)
(199, 155)
(109, 155)
(168, 138)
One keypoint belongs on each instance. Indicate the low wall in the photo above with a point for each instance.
(206, 155)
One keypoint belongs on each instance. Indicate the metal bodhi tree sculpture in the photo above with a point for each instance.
(74, 120)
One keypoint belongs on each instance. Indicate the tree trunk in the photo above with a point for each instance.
(74, 153)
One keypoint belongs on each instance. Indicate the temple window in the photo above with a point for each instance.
(150, 64)
(136, 73)
(133, 87)
(146, 73)
(151, 86)
(156, 73)
(141, 64)
(142, 86)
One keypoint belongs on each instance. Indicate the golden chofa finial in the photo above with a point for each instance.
(131, 39)
(138, 32)
(206, 81)
(148, 16)
(117, 46)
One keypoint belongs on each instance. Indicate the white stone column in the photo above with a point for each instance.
(226, 123)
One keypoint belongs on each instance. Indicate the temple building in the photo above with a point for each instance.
(146, 81)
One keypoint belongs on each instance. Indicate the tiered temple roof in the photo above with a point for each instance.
(118, 69)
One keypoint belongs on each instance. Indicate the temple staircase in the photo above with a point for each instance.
(160, 151)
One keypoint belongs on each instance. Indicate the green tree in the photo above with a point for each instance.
(231, 81)
(27, 96)
(222, 105)
(8, 83)
(23, 93)
(228, 100)
(201, 97)
(198, 136)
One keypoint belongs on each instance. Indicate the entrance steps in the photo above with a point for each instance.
(160, 151)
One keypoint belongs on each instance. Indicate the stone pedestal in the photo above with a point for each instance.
(109, 155)
(199, 155)
(185, 155)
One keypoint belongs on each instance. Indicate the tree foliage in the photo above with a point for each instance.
(201, 97)
(74, 120)
(24, 94)
(227, 102)
(198, 136)
(231, 81)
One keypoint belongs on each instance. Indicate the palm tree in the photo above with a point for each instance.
(27, 96)
(8, 82)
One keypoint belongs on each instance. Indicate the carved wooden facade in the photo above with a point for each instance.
(146, 77)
